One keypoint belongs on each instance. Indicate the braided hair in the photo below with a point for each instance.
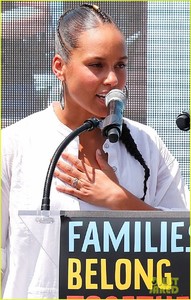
(76, 21)
(131, 147)
(70, 25)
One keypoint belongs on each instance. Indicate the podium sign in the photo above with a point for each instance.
(124, 255)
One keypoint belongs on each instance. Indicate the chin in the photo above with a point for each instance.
(100, 116)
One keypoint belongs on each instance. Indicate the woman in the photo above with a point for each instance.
(136, 173)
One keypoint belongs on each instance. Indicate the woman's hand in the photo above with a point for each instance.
(95, 186)
(99, 187)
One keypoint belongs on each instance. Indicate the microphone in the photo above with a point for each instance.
(112, 125)
(183, 121)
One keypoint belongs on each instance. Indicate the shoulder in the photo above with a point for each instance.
(139, 130)
(22, 126)
(19, 132)
(150, 143)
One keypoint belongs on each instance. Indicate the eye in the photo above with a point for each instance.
(96, 65)
(121, 65)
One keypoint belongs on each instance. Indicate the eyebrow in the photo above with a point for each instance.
(101, 58)
(124, 57)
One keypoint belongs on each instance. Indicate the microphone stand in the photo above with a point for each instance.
(88, 125)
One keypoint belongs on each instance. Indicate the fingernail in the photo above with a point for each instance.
(98, 151)
(56, 173)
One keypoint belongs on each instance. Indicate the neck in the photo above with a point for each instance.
(71, 119)
(90, 141)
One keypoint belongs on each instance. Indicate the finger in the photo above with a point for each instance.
(70, 190)
(69, 167)
(102, 162)
(66, 168)
(105, 167)
(64, 177)
(74, 161)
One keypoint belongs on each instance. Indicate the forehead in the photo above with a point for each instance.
(103, 38)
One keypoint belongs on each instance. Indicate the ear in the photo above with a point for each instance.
(58, 67)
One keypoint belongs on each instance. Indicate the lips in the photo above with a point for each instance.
(101, 96)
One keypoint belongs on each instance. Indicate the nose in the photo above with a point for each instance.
(111, 78)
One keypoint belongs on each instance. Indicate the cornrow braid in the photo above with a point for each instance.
(58, 35)
(131, 147)
(74, 22)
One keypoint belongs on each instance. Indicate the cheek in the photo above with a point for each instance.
(82, 86)
(87, 80)
(123, 77)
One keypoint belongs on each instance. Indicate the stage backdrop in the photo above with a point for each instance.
(157, 34)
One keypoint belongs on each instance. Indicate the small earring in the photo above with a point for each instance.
(61, 96)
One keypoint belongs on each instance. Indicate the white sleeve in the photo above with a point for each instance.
(5, 186)
(172, 192)
(5, 223)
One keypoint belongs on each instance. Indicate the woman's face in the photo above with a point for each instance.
(94, 68)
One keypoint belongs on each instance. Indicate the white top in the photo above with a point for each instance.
(28, 147)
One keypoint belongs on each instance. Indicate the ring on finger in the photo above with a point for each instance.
(75, 183)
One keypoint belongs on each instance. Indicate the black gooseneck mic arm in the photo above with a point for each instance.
(88, 125)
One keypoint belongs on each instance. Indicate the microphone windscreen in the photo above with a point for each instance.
(115, 94)
(183, 121)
